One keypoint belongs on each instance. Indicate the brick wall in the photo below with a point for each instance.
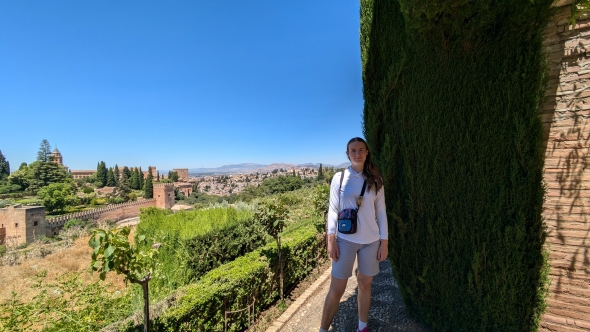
(566, 121)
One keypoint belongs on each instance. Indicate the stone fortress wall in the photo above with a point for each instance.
(22, 224)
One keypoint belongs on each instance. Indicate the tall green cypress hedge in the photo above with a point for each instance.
(452, 96)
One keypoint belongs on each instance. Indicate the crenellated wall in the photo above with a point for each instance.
(113, 212)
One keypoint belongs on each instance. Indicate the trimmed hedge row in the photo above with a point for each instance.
(452, 94)
(200, 306)
(195, 242)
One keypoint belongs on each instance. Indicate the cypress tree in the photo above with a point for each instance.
(116, 174)
(124, 188)
(451, 116)
(134, 179)
(101, 174)
(148, 190)
(111, 178)
(127, 172)
(320, 172)
(141, 180)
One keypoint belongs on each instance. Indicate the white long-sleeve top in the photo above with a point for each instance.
(372, 218)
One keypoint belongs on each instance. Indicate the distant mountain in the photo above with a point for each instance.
(251, 168)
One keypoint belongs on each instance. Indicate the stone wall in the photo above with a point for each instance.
(22, 224)
(566, 120)
(113, 212)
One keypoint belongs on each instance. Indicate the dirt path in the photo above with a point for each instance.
(387, 307)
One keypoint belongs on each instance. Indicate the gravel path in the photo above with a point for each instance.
(387, 307)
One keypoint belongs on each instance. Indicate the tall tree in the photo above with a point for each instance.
(116, 173)
(101, 174)
(4, 167)
(141, 180)
(127, 172)
(320, 172)
(44, 152)
(148, 187)
(124, 188)
(111, 178)
(133, 181)
(452, 93)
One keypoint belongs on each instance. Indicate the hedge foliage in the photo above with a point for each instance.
(452, 96)
(195, 242)
(201, 305)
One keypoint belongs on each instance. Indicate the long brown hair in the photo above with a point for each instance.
(370, 171)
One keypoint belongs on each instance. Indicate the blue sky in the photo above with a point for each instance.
(180, 83)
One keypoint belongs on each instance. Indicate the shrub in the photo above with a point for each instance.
(200, 306)
(194, 242)
(452, 97)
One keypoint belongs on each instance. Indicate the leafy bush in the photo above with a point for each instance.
(200, 306)
(87, 190)
(67, 304)
(74, 222)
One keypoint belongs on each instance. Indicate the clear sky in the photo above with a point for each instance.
(180, 83)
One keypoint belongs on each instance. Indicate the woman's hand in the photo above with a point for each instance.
(383, 250)
(333, 251)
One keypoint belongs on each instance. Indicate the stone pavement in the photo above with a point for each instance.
(387, 307)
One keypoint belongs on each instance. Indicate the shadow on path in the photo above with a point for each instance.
(388, 311)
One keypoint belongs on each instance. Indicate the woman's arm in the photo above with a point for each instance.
(381, 215)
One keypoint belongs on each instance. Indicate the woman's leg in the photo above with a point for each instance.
(364, 296)
(368, 266)
(337, 288)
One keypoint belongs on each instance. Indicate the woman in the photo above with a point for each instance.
(369, 243)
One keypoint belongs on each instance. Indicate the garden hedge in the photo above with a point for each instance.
(200, 306)
(452, 97)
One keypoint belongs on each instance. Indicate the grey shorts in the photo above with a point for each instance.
(367, 259)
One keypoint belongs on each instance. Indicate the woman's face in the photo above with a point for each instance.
(357, 153)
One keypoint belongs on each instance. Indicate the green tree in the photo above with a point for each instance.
(123, 187)
(44, 151)
(23, 165)
(134, 179)
(457, 135)
(56, 196)
(40, 174)
(111, 178)
(116, 174)
(101, 174)
(141, 179)
(4, 167)
(148, 189)
(320, 173)
(112, 251)
(272, 215)
(173, 176)
(19, 179)
(127, 172)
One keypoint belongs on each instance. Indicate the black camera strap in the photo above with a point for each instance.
(340, 188)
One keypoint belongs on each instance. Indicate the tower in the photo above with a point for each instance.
(164, 195)
(56, 157)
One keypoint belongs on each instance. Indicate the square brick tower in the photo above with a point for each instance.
(164, 195)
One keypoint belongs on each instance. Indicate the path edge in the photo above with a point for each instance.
(280, 322)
